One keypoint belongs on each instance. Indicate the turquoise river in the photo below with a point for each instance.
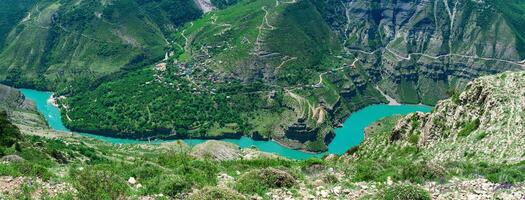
(350, 135)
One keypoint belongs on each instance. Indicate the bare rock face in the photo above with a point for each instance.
(486, 121)
(217, 150)
(10, 98)
(205, 5)
(416, 49)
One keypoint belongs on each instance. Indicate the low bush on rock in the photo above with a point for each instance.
(260, 180)
(403, 192)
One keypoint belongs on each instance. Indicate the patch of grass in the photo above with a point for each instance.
(95, 183)
(481, 135)
(469, 128)
(403, 192)
(25, 168)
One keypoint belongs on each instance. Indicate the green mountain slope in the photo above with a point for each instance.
(10, 13)
(78, 41)
(215, 85)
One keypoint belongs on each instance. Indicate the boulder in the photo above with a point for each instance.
(132, 181)
(12, 159)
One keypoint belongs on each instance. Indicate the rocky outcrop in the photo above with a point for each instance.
(222, 151)
(10, 98)
(21, 111)
(486, 121)
(300, 131)
(217, 150)
(205, 5)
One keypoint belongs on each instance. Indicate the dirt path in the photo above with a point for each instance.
(301, 101)
(409, 56)
(452, 55)
(391, 101)
(187, 41)
(287, 59)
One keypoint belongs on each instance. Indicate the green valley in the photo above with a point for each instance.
(287, 70)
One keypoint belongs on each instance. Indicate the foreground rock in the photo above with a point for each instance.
(222, 151)
(13, 185)
(12, 159)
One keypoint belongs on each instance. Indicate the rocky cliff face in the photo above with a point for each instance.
(20, 111)
(416, 50)
(10, 98)
(486, 121)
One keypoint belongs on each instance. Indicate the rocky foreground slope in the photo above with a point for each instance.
(19, 109)
(485, 122)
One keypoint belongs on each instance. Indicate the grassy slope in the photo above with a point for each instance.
(514, 13)
(100, 170)
(87, 40)
(12, 11)
(303, 34)
(378, 158)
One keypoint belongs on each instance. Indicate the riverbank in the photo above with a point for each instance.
(346, 137)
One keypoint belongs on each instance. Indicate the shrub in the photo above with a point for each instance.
(330, 179)
(24, 169)
(414, 138)
(216, 193)
(506, 173)
(469, 128)
(481, 135)
(29, 169)
(94, 183)
(403, 192)
(9, 133)
(260, 180)
(174, 185)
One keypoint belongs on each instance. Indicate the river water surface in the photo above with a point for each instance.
(350, 135)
